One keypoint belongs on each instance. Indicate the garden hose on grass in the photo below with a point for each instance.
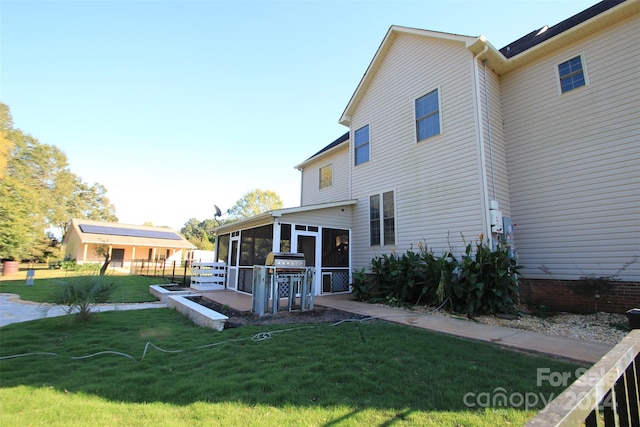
(261, 336)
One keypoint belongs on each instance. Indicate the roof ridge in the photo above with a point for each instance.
(544, 33)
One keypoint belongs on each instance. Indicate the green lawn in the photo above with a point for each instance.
(128, 288)
(351, 374)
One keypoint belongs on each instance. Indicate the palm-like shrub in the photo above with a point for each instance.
(80, 294)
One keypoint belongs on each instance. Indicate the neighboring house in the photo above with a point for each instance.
(125, 243)
(536, 144)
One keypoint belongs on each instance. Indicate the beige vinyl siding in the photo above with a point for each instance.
(312, 193)
(436, 181)
(574, 160)
(494, 143)
(337, 217)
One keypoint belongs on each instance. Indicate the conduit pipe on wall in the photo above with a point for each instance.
(481, 153)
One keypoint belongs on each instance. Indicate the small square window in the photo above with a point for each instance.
(571, 74)
(361, 145)
(326, 176)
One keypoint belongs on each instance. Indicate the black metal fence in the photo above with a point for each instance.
(176, 271)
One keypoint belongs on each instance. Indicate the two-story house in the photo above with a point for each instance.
(537, 143)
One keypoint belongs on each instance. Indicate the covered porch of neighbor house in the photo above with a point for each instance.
(321, 232)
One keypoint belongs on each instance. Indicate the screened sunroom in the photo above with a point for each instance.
(321, 232)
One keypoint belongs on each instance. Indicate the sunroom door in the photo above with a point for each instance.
(232, 262)
(306, 242)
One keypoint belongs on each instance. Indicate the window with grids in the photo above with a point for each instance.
(326, 176)
(428, 115)
(571, 74)
(361, 145)
(382, 223)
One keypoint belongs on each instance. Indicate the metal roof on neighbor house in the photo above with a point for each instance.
(132, 232)
(109, 233)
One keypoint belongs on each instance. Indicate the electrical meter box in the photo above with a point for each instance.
(495, 219)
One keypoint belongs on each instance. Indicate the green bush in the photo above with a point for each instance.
(81, 293)
(483, 280)
(487, 281)
(400, 278)
(362, 286)
(69, 264)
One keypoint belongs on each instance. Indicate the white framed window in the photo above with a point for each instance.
(382, 219)
(572, 74)
(326, 176)
(428, 115)
(361, 145)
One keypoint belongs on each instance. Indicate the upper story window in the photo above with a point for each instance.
(571, 74)
(361, 145)
(428, 115)
(326, 176)
(382, 223)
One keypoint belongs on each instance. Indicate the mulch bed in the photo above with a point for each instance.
(241, 318)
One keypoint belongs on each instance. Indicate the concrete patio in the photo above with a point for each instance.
(518, 339)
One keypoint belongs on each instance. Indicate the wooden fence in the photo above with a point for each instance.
(606, 395)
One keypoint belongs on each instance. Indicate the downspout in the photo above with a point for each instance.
(301, 170)
(480, 129)
(486, 104)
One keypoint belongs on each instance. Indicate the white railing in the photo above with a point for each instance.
(606, 395)
(208, 275)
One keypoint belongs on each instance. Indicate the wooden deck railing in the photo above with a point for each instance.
(607, 394)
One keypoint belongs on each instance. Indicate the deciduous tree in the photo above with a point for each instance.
(254, 203)
(38, 191)
(200, 233)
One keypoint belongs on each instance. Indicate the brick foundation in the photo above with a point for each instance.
(561, 295)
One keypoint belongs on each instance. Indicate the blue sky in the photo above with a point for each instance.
(175, 106)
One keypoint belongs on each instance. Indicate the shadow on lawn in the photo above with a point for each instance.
(360, 365)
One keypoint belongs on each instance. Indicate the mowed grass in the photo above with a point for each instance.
(129, 289)
(349, 374)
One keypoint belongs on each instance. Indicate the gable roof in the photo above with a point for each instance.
(112, 233)
(381, 53)
(520, 53)
(326, 149)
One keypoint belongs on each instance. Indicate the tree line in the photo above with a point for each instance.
(38, 192)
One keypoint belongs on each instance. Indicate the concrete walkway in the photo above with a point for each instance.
(14, 310)
(519, 339)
